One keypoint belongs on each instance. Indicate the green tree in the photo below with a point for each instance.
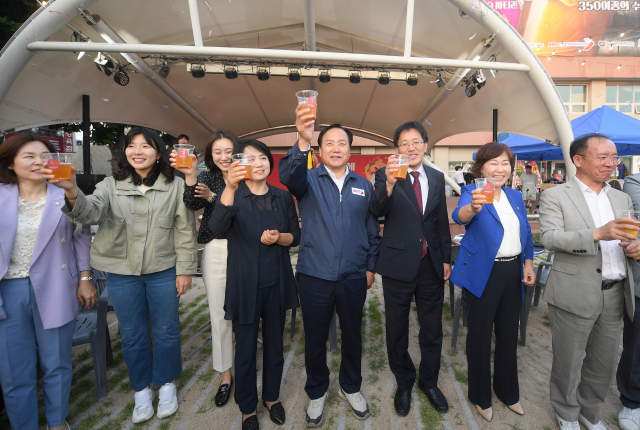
(12, 14)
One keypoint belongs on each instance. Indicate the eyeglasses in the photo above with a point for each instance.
(415, 144)
(604, 159)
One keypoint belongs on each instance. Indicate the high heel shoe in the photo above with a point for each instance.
(517, 408)
(487, 414)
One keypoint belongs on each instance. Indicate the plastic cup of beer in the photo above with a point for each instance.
(59, 164)
(487, 187)
(632, 217)
(246, 161)
(403, 166)
(310, 100)
(184, 157)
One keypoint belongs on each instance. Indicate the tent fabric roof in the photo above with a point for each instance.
(622, 129)
(50, 86)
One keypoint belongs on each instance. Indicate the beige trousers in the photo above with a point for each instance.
(214, 274)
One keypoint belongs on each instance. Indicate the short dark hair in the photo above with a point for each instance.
(528, 166)
(489, 151)
(208, 158)
(183, 136)
(581, 143)
(335, 125)
(410, 125)
(458, 168)
(9, 150)
(258, 146)
(163, 166)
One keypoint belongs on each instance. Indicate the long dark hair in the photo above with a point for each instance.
(208, 158)
(162, 166)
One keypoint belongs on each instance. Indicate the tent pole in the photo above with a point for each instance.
(408, 34)
(195, 23)
(86, 134)
(495, 125)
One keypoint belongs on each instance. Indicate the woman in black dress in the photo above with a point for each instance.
(261, 223)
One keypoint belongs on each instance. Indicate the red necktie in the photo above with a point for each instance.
(418, 190)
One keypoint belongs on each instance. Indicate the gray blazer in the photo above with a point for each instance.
(632, 187)
(575, 281)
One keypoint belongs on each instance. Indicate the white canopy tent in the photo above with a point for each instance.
(43, 80)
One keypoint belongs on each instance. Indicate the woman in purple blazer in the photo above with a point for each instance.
(44, 276)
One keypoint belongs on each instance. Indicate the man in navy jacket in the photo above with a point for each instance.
(338, 252)
(415, 258)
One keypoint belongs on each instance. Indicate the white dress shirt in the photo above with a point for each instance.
(613, 258)
(458, 177)
(338, 181)
(424, 184)
(511, 245)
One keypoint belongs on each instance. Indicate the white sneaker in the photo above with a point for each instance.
(629, 419)
(168, 400)
(597, 426)
(358, 404)
(315, 411)
(143, 409)
(567, 425)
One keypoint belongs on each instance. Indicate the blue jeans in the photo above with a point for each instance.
(134, 298)
(20, 334)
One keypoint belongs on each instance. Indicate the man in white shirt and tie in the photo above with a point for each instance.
(590, 285)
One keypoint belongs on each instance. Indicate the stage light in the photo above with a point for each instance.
(412, 79)
(230, 72)
(164, 70)
(440, 82)
(324, 76)
(355, 76)
(104, 64)
(121, 78)
(480, 78)
(293, 74)
(383, 78)
(470, 91)
(263, 73)
(197, 70)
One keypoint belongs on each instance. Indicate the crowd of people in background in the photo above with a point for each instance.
(147, 245)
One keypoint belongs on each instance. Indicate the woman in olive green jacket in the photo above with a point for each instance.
(147, 245)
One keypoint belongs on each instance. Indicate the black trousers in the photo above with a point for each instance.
(428, 290)
(628, 375)
(499, 305)
(318, 299)
(268, 308)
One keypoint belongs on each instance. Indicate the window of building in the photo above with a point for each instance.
(574, 97)
(623, 98)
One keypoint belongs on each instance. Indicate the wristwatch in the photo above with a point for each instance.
(213, 196)
(87, 278)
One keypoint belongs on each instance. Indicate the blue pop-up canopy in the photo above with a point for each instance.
(622, 129)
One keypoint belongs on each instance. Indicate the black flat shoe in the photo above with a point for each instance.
(435, 396)
(276, 413)
(251, 423)
(402, 402)
(223, 394)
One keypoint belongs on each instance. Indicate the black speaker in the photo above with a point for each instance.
(87, 182)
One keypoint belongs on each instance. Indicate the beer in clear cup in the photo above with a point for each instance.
(59, 164)
(631, 217)
(184, 156)
(487, 187)
(246, 161)
(310, 100)
(403, 166)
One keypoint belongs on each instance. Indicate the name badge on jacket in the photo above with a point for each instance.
(357, 191)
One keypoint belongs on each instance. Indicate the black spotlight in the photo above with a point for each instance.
(470, 90)
(294, 74)
(412, 79)
(440, 82)
(383, 78)
(197, 70)
(324, 76)
(121, 78)
(103, 64)
(164, 70)
(230, 72)
(355, 76)
(263, 73)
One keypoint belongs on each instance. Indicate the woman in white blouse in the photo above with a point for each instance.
(495, 259)
(44, 275)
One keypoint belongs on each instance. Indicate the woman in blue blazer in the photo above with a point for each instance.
(496, 257)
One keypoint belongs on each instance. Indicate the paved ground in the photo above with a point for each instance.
(198, 382)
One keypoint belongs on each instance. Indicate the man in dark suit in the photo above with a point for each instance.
(415, 260)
